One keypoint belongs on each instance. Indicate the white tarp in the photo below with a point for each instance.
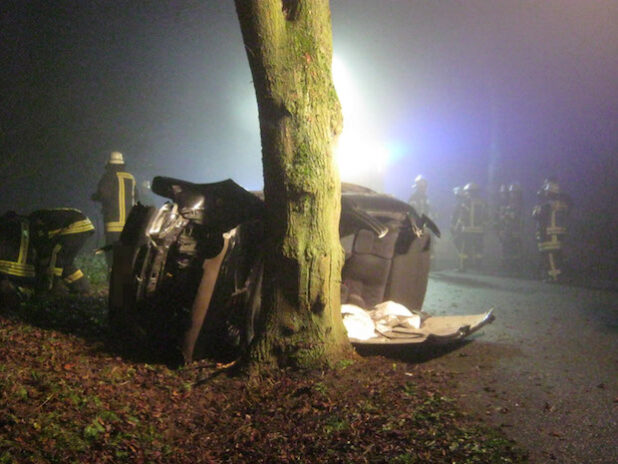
(392, 323)
(382, 319)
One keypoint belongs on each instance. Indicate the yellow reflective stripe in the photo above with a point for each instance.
(553, 271)
(25, 242)
(555, 230)
(550, 246)
(64, 209)
(20, 268)
(75, 228)
(17, 269)
(78, 227)
(121, 205)
(122, 209)
(26, 291)
(52, 269)
(553, 227)
(73, 277)
(57, 271)
(115, 226)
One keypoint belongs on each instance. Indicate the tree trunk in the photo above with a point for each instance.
(289, 47)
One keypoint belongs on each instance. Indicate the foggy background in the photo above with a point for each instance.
(485, 91)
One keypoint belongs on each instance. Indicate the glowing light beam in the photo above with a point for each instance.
(361, 156)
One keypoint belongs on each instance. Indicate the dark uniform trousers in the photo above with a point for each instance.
(510, 236)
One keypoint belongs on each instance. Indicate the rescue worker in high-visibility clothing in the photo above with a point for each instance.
(551, 216)
(468, 226)
(418, 200)
(58, 235)
(510, 230)
(117, 194)
(17, 259)
(502, 201)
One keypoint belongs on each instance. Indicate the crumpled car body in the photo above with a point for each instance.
(187, 276)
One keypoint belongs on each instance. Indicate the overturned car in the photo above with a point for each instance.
(187, 276)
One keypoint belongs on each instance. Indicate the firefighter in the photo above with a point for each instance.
(456, 223)
(16, 259)
(117, 194)
(418, 200)
(510, 225)
(468, 226)
(501, 204)
(57, 236)
(551, 215)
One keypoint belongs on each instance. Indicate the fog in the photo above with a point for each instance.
(485, 91)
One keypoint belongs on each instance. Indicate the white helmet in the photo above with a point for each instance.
(420, 182)
(115, 157)
(551, 185)
(471, 187)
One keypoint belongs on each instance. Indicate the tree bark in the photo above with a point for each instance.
(289, 47)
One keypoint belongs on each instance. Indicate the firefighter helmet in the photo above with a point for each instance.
(115, 157)
(514, 187)
(551, 186)
(420, 183)
(471, 187)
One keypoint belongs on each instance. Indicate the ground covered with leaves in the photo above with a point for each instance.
(70, 392)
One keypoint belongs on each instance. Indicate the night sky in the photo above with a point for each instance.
(477, 90)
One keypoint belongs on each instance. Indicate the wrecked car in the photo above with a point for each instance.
(187, 276)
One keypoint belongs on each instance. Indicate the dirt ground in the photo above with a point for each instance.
(545, 371)
(71, 393)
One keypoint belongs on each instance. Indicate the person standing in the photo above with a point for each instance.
(117, 194)
(468, 226)
(418, 200)
(551, 215)
(502, 201)
(510, 226)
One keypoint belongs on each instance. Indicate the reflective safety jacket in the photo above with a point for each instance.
(420, 203)
(16, 250)
(470, 216)
(551, 218)
(510, 221)
(117, 194)
(56, 222)
(53, 229)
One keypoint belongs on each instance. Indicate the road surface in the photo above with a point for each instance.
(546, 370)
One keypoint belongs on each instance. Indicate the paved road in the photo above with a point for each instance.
(546, 370)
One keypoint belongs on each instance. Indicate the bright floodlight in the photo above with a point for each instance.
(359, 154)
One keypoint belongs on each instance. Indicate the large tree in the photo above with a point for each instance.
(289, 47)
